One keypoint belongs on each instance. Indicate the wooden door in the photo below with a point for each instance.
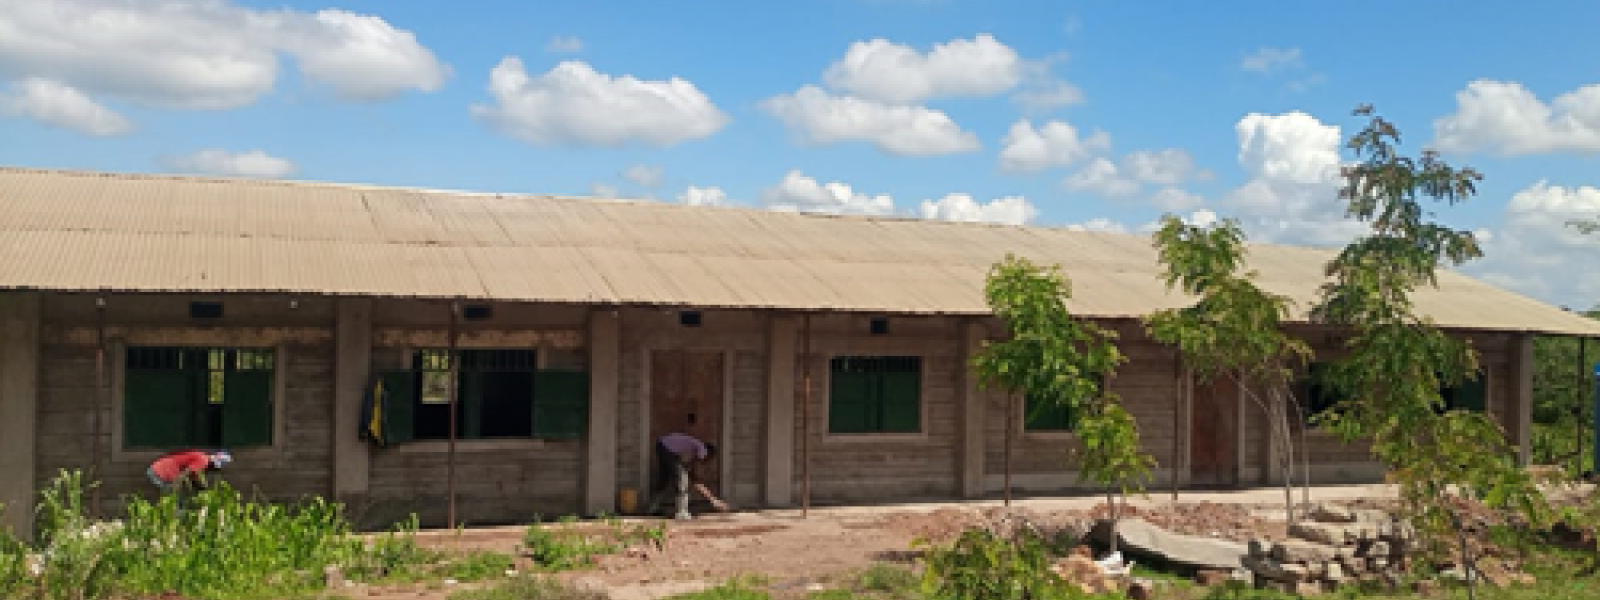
(686, 397)
(1214, 433)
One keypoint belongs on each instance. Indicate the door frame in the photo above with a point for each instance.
(725, 428)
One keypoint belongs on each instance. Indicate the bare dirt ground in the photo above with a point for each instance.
(793, 551)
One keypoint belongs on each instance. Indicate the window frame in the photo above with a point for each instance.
(825, 365)
(414, 361)
(273, 453)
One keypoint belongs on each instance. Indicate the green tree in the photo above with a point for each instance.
(1563, 400)
(1052, 357)
(1399, 361)
(1234, 330)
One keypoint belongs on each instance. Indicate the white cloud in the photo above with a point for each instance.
(645, 176)
(1013, 210)
(604, 190)
(1048, 94)
(1293, 147)
(565, 44)
(215, 161)
(207, 54)
(799, 193)
(1168, 166)
(1271, 60)
(1536, 253)
(1173, 199)
(575, 105)
(1028, 150)
(59, 105)
(1102, 224)
(1506, 118)
(822, 118)
(704, 196)
(1103, 177)
(891, 73)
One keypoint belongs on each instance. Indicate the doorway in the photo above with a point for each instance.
(686, 396)
(1214, 433)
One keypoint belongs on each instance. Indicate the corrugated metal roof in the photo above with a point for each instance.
(78, 231)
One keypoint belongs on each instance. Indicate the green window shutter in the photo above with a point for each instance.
(560, 404)
(900, 402)
(399, 406)
(158, 409)
(247, 409)
(852, 402)
(470, 401)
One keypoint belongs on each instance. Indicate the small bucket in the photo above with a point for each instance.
(628, 501)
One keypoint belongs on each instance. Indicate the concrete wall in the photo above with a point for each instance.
(328, 348)
(496, 481)
(80, 422)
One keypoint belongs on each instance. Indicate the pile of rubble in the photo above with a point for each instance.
(1336, 546)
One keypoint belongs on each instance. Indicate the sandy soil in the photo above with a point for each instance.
(792, 551)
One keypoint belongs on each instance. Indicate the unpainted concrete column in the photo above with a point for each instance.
(782, 334)
(352, 366)
(973, 410)
(605, 370)
(1519, 407)
(19, 407)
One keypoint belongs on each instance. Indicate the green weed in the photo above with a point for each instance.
(565, 546)
(219, 546)
(733, 589)
(478, 564)
(981, 564)
(527, 588)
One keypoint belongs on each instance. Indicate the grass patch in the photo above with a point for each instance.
(744, 588)
(220, 546)
(566, 544)
(527, 588)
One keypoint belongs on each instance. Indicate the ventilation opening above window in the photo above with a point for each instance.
(879, 326)
(477, 312)
(689, 318)
(205, 310)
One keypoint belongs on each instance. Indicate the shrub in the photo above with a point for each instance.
(981, 564)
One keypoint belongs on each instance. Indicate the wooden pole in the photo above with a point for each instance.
(805, 418)
(450, 453)
(1177, 420)
(1011, 423)
(101, 402)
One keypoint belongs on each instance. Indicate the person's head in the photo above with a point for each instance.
(220, 459)
(711, 451)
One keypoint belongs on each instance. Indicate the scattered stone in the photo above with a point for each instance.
(1258, 548)
(1141, 538)
(1308, 588)
(1298, 551)
(1336, 573)
(1322, 533)
(1271, 570)
(1329, 513)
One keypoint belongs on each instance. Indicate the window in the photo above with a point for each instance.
(178, 397)
(875, 394)
(1471, 394)
(500, 393)
(1316, 396)
(1039, 415)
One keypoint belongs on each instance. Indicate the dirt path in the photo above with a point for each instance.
(793, 552)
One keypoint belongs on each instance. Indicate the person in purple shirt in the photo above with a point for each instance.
(678, 457)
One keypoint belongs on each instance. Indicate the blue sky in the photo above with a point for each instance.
(1097, 115)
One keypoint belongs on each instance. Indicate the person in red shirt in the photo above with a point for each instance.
(174, 469)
